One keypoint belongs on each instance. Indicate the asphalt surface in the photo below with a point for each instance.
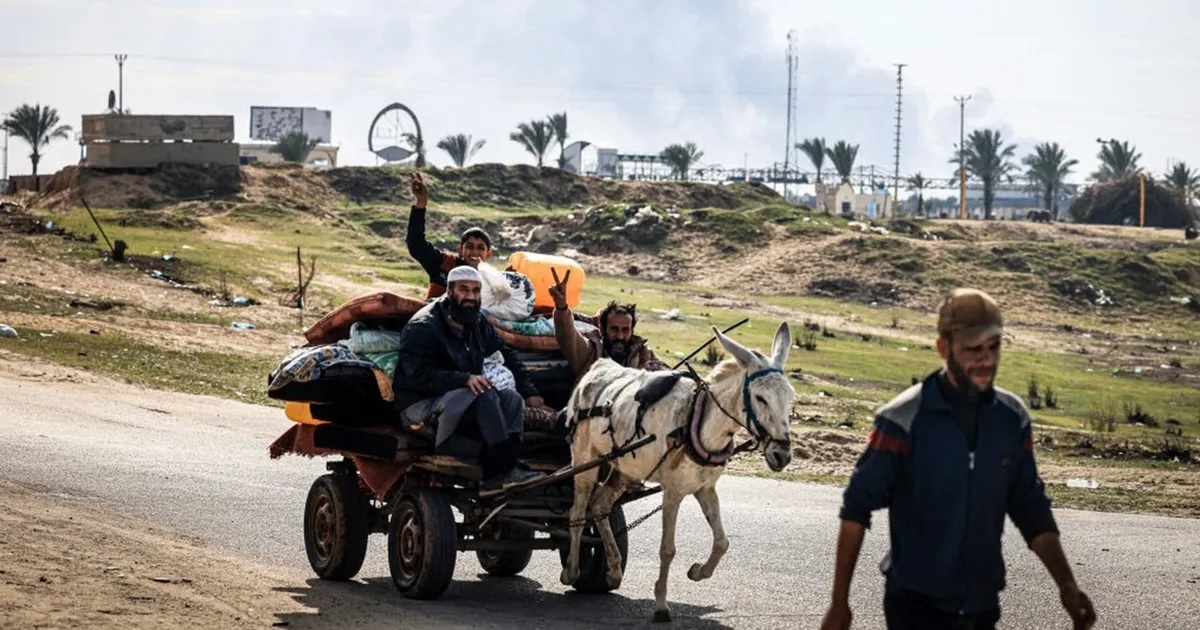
(199, 466)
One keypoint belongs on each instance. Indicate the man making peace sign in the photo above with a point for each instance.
(615, 339)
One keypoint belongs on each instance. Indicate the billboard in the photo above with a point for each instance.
(269, 124)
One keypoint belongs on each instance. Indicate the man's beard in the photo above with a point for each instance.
(466, 313)
(963, 378)
(617, 350)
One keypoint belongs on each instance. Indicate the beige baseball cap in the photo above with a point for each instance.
(970, 315)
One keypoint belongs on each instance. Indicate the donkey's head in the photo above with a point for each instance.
(766, 395)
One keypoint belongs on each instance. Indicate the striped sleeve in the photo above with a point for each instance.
(870, 486)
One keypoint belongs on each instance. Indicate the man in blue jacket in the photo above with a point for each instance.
(950, 458)
(440, 370)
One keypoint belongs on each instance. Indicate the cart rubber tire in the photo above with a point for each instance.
(507, 563)
(422, 545)
(336, 525)
(592, 560)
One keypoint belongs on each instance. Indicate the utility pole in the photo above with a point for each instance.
(962, 152)
(791, 109)
(5, 177)
(121, 82)
(899, 101)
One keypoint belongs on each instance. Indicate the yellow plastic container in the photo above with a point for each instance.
(300, 412)
(537, 268)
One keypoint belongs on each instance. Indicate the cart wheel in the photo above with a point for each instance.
(336, 524)
(506, 563)
(592, 559)
(421, 545)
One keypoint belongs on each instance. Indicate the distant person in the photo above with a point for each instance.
(474, 247)
(615, 340)
(950, 458)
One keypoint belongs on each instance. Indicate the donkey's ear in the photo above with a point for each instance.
(782, 345)
(737, 350)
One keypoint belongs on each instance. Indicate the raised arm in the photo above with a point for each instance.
(571, 342)
(431, 258)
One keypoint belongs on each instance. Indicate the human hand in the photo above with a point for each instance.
(837, 617)
(478, 383)
(1078, 606)
(420, 190)
(558, 291)
(536, 402)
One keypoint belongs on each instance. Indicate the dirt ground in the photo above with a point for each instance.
(66, 562)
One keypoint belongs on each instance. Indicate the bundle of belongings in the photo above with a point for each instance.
(346, 371)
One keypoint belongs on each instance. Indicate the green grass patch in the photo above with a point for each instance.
(196, 372)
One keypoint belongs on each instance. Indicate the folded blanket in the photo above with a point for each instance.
(306, 365)
(535, 326)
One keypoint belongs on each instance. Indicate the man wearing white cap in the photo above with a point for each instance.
(440, 373)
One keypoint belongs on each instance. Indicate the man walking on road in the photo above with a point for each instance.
(950, 457)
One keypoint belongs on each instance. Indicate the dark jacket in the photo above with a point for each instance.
(435, 261)
(434, 359)
(946, 501)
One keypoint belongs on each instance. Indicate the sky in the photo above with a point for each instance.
(634, 75)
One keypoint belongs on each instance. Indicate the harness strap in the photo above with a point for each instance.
(688, 435)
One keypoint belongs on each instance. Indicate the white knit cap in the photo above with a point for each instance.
(463, 272)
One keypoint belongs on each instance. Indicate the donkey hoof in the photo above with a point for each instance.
(568, 577)
(662, 616)
(694, 572)
(614, 580)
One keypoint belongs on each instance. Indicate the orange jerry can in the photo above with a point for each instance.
(300, 412)
(537, 267)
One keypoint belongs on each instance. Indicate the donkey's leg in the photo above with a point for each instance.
(666, 553)
(585, 482)
(711, 506)
(605, 498)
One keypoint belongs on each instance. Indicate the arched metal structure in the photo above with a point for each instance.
(396, 153)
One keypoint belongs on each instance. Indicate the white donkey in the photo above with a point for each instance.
(694, 424)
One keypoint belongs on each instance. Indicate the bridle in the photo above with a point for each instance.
(752, 425)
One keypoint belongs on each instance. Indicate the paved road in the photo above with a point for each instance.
(199, 466)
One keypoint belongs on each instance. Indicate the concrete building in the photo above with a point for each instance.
(322, 155)
(844, 200)
(114, 141)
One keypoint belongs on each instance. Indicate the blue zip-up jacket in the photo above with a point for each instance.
(946, 502)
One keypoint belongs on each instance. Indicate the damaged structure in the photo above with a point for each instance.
(116, 141)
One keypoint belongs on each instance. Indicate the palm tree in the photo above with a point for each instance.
(1181, 177)
(535, 136)
(814, 148)
(987, 158)
(558, 126)
(918, 183)
(843, 155)
(38, 126)
(1117, 160)
(460, 148)
(294, 147)
(417, 142)
(681, 157)
(1048, 167)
